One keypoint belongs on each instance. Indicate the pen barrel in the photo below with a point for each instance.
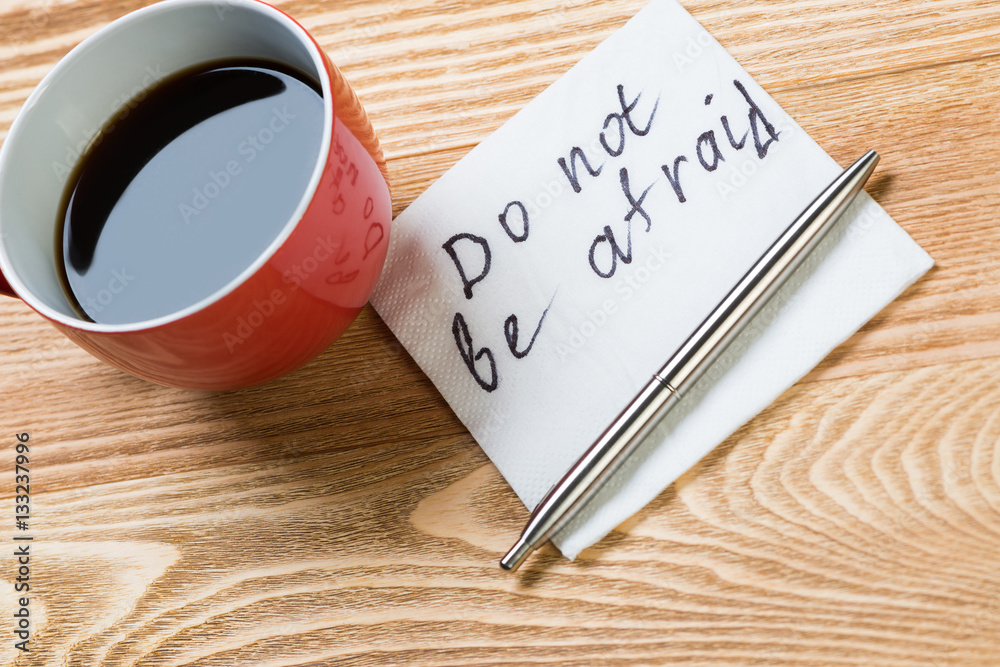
(585, 478)
(765, 277)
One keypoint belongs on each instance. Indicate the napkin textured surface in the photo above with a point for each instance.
(539, 300)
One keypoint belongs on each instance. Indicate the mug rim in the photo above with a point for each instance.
(93, 41)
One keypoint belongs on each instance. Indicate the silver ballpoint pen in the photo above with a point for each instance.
(689, 362)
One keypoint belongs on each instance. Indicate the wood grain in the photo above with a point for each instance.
(342, 515)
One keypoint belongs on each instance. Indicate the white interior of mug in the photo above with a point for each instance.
(63, 115)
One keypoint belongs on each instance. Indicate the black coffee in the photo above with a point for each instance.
(186, 188)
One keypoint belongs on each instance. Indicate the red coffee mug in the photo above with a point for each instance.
(296, 298)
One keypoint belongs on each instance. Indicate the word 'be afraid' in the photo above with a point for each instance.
(606, 251)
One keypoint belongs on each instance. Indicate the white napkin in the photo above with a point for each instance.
(612, 316)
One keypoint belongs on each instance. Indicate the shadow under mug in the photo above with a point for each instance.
(297, 297)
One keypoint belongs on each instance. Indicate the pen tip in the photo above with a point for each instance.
(517, 555)
(866, 163)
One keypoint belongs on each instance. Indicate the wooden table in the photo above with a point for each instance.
(343, 515)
